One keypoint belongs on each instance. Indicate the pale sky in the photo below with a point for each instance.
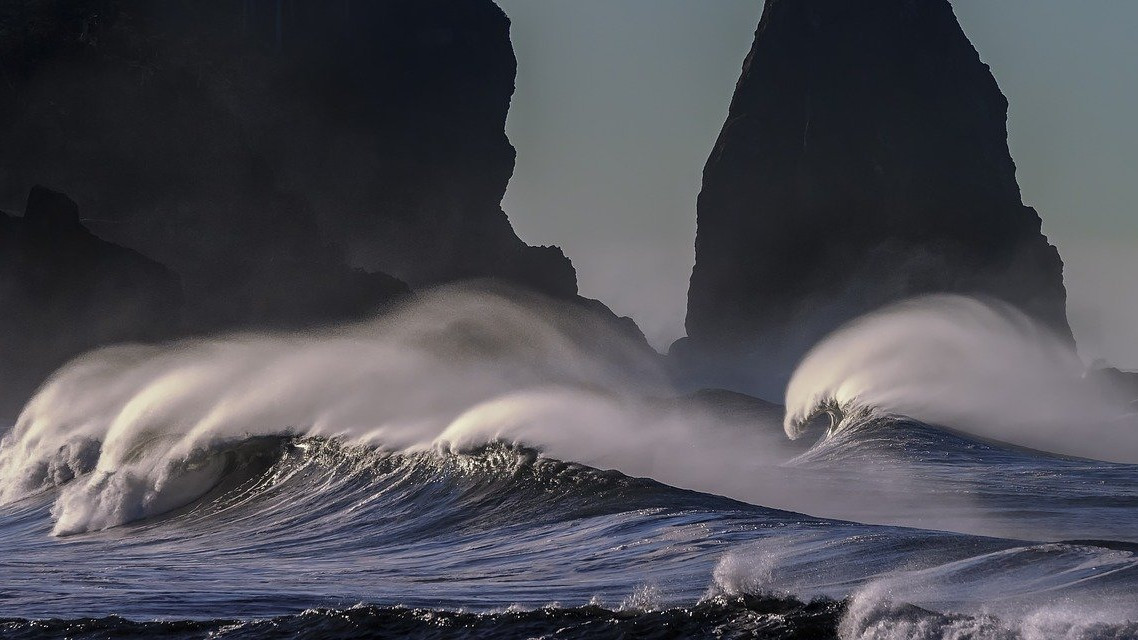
(619, 102)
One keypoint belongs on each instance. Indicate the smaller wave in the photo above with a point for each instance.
(866, 434)
(945, 588)
(872, 614)
(977, 366)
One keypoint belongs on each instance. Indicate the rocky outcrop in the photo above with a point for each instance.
(254, 144)
(63, 291)
(281, 156)
(864, 160)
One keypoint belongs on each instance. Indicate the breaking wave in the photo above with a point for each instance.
(132, 432)
(979, 366)
(499, 465)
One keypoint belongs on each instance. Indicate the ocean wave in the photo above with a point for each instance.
(131, 432)
(977, 366)
(474, 450)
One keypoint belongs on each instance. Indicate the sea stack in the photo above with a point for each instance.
(864, 160)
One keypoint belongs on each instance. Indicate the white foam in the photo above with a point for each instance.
(875, 613)
(1028, 592)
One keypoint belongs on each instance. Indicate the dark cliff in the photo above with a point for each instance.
(281, 156)
(268, 149)
(63, 291)
(864, 160)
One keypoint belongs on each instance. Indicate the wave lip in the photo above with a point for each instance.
(829, 414)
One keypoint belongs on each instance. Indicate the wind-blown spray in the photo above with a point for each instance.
(135, 431)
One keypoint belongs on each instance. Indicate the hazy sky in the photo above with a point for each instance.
(619, 102)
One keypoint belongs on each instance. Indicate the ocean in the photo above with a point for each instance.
(478, 466)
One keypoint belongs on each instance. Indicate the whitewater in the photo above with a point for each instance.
(485, 463)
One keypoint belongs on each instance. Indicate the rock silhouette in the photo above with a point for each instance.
(864, 160)
(63, 291)
(295, 162)
(253, 144)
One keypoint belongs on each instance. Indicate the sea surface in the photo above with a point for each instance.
(882, 526)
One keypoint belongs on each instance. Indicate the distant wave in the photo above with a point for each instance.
(130, 433)
(977, 366)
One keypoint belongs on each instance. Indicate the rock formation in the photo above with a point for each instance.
(63, 291)
(251, 143)
(281, 156)
(864, 160)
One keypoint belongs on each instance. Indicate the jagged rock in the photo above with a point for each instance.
(63, 291)
(864, 160)
(230, 138)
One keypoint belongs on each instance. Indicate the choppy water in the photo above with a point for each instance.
(488, 523)
(504, 542)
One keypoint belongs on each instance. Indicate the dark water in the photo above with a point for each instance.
(306, 537)
(739, 617)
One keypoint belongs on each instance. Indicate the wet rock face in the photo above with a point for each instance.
(64, 291)
(864, 160)
(242, 141)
